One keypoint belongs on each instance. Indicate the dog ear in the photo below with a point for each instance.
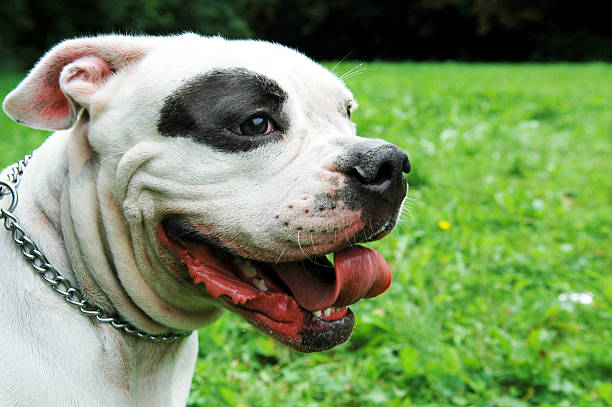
(66, 78)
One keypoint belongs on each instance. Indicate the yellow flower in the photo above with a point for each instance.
(444, 225)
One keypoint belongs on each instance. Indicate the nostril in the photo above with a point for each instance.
(373, 175)
(358, 174)
(385, 172)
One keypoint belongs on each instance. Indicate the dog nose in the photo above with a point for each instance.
(378, 167)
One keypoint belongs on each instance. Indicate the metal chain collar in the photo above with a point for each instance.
(50, 275)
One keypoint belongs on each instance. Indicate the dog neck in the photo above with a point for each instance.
(69, 209)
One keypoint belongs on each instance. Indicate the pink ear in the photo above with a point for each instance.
(82, 78)
(66, 78)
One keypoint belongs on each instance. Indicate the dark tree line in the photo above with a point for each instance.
(482, 30)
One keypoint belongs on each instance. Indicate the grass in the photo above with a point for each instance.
(510, 208)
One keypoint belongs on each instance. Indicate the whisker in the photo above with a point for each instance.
(281, 254)
(342, 60)
(314, 246)
(310, 258)
(355, 73)
(351, 71)
(406, 215)
(397, 231)
(300, 245)
(413, 200)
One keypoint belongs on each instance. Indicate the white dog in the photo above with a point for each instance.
(187, 175)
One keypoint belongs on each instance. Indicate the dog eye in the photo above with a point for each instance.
(255, 126)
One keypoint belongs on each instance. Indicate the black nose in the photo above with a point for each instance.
(377, 167)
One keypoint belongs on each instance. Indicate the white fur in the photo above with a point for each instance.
(93, 194)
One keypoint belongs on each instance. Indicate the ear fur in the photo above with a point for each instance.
(65, 79)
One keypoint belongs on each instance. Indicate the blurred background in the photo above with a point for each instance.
(465, 30)
(502, 260)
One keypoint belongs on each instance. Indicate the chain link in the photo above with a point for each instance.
(50, 274)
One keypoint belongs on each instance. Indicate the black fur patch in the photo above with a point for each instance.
(210, 106)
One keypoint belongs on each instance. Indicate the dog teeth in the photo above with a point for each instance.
(246, 267)
(249, 270)
(259, 283)
(326, 312)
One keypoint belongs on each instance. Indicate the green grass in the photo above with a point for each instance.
(517, 160)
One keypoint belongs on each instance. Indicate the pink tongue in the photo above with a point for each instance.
(360, 273)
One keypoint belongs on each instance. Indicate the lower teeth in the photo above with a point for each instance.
(260, 284)
(326, 312)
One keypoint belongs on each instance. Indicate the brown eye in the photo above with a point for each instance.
(255, 126)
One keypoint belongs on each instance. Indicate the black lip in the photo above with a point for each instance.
(181, 229)
(317, 335)
(376, 235)
(324, 334)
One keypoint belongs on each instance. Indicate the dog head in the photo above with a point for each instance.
(235, 169)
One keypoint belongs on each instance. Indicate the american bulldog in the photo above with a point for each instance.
(186, 176)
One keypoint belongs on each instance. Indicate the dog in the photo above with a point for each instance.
(186, 176)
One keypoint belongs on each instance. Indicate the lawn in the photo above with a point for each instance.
(502, 263)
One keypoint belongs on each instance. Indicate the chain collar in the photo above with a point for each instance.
(50, 275)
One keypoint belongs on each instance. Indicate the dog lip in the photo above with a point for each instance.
(275, 313)
(306, 334)
(326, 335)
(183, 230)
(381, 232)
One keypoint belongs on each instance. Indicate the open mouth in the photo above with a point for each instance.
(304, 304)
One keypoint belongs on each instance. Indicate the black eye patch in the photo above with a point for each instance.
(209, 106)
